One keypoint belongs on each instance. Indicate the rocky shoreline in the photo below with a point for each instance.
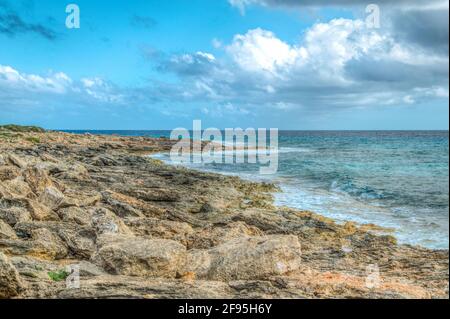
(137, 228)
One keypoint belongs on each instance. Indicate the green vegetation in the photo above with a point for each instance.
(33, 139)
(59, 275)
(22, 129)
(6, 135)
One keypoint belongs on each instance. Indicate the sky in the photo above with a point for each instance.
(287, 64)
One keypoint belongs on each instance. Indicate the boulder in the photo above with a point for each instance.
(247, 258)
(8, 173)
(158, 228)
(106, 222)
(37, 179)
(6, 232)
(16, 161)
(10, 282)
(76, 215)
(14, 215)
(133, 256)
(51, 197)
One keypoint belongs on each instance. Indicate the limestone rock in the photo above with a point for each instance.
(51, 197)
(10, 283)
(14, 215)
(16, 161)
(37, 179)
(247, 258)
(6, 232)
(157, 228)
(132, 256)
(81, 216)
(106, 222)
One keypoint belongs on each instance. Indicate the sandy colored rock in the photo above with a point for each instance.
(247, 258)
(10, 283)
(133, 256)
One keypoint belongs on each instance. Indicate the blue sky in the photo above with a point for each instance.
(147, 64)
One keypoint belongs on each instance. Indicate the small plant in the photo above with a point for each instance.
(59, 275)
(33, 139)
(23, 129)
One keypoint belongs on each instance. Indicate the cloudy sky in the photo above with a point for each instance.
(290, 64)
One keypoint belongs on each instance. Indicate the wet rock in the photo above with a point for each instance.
(10, 283)
(248, 258)
(132, 256)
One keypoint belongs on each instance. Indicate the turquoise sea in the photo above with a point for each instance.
(395, 179)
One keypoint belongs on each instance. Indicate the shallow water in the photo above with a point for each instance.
(393, 179)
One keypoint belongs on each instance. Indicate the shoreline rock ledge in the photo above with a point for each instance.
(137, 228)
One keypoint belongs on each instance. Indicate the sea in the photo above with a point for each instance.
(394, 179)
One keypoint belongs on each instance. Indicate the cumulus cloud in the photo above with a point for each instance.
(339, 64)
(30, 88)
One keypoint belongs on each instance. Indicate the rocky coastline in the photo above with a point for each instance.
(138, 228)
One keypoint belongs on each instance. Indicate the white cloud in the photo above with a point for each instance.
(58, 83)
(31, 88)
(339, 64)
(261, 50)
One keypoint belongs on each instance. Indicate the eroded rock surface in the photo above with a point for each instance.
(137, 228)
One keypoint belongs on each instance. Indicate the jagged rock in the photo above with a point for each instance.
(106, 222)
(79, 240)
(213, 236)
(119, 287)
(8, 173)
(81, 216)
(14, 215)
(88, 269)
(134, 215)
(120, 208)
(43, 244)
(247, 258)
(157, 195)
(17, 161)
(18, 188)
(133, 256)
(10, 283)
(157, 228)
(6, 232)
(37, 179)
(36, 210)
(51, 197)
